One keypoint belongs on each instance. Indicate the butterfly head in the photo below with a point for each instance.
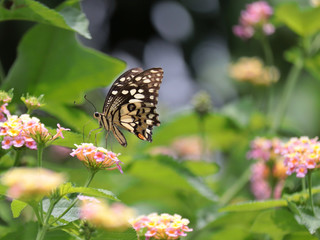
(98, 116)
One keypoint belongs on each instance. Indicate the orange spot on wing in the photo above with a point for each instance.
(141, 136)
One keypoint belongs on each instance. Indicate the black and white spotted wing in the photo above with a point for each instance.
(131, 104)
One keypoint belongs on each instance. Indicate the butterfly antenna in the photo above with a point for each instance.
(85, 97)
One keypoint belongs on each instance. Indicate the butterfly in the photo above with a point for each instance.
(131, 104)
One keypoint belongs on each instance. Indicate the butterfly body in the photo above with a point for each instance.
(131, 104)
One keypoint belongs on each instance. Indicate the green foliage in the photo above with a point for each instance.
(304, 22)
(68, 71)
(201, 168)
(67, 188)
(16, 207)
(216, 126)
(68, 17)
(255, 205)
(313, 65)
(129, 234)
(29, 230)
(305, 217)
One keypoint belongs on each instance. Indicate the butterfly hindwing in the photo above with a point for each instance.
(139, 118)
(131, 103)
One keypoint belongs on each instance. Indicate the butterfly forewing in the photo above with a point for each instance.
(117, 86)
(131, 103)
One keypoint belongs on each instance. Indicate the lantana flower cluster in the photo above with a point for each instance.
(31, 183)
(98, 213)
(13, 133)
(269, 172)
(164, 226)
(254, 18)
(252, 70)
(96, 157)
(19, 131)
(301, 155)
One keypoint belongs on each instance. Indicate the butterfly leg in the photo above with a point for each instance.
(89, 135)
(95, 136)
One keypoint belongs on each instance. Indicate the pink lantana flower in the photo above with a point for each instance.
(26, 131)
(31, 183)
(301, 155)
(59, 131)
(269, 172)
(164, 226)
(96, 157)
(100, 214)
(7, 142)
(254, 18)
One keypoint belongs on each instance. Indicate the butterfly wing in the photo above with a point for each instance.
(117, 86)
(132, 105)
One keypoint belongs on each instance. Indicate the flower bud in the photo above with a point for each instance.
(6, 97)
(32, 102)
(202, 103)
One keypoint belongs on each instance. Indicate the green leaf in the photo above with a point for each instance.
(300, 235)
(305, 217)
(276, 223)
(3, 189)
(69, 17)
(254, 205)
(17, 207)
(25, 231)
(293, 54)
(5, 213)
(304, 22)
(70, 138)
(313, 66)
(200, 168)
(232, 232)
(219, 130)
(67, 188)
(165, 171)
(60, 207)
(52, 62)
(266, 204)
(296, 197)
(94, 192)
(129, 234)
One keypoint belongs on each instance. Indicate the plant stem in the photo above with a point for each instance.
(43, 230)
(269, 62)
(285, 97)
(202, 135)
(90, 177)
(267, 50)
(310, 190)
(40, 153)
(303, 182)
(36, 212)
(17, 158)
